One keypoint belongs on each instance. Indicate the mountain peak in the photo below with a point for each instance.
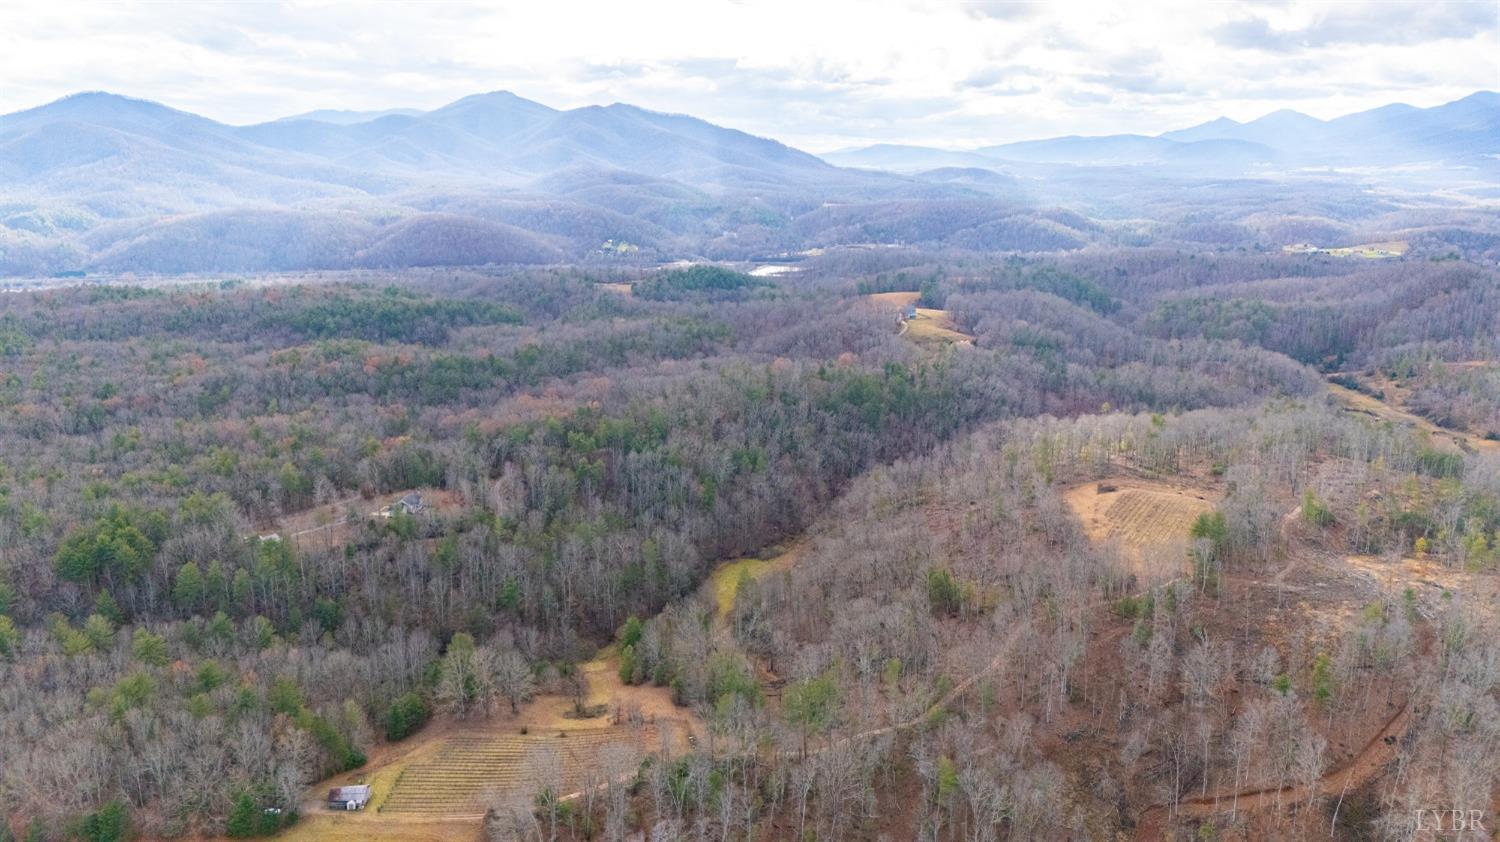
(103, 108)
(493, 99)
(97, 102)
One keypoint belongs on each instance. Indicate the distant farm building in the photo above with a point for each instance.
(349, 797)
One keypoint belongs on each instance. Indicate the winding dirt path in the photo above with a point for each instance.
(1365, 765)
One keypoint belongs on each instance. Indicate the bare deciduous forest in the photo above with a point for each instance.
(212, 596)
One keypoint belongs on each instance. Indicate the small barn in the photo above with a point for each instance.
(349, 797)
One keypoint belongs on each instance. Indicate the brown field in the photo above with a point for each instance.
(894, 300)
(936, 326)
(1145, 519)
(617, 289)
(338, 827)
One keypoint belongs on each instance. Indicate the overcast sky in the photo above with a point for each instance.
(819, 74)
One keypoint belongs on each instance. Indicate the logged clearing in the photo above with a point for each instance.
(1142, 517)
(1431, 584)
(1441, 436)
(617, 289)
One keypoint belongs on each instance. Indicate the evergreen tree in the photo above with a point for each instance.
(241, 823)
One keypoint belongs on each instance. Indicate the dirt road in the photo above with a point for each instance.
(1365, 765)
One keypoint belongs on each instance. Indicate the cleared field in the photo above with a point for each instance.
(929, 326)
(466, 771)
(724, 584)
(435, 784)
(1440, 436)
(894, 299)
(1140, 516)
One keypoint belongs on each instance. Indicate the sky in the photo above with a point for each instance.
(817, 74)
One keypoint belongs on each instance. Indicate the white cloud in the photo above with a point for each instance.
(816, 74)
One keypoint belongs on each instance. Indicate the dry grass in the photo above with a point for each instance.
(930, 327)
(936, 326)
(894, 300)
(355, 827)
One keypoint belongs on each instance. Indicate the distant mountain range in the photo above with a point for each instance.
(98, 182)
(498, 137)
(102, 182)
(1454, 133)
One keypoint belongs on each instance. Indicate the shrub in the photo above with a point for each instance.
(1314, 511)
(110, 823)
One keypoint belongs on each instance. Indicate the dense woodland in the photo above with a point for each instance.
(170, 669)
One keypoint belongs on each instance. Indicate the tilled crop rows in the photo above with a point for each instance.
(1142, 518)
(466, 769)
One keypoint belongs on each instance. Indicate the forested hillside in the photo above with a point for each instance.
(212, 595)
